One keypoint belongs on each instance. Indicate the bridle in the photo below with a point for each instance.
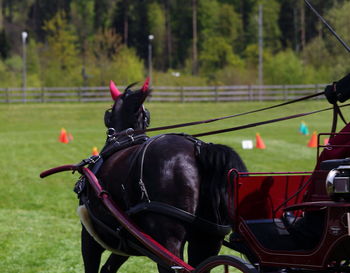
(141, 118)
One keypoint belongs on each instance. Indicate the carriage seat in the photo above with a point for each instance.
(272, 234)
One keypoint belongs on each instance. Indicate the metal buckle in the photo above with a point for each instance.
(130, 133)
(177, 269)
(110, 132)
(93, 159)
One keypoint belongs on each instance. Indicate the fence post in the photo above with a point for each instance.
(79, 93)
(285, 92)
(216, 94)
(182, 91)
(250, 92)
(260, 93)
(7, 95)
(42, 95)
(23, 95)
(316, 90)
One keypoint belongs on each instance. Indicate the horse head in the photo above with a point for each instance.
(128, 110)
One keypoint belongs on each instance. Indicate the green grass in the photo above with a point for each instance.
(39, 229)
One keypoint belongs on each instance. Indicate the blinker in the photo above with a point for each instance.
(107, 117)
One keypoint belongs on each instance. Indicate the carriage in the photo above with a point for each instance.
(280, 222)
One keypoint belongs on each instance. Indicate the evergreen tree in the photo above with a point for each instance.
(225, 40)
(60, 56)
(156, 21)
(271, 30)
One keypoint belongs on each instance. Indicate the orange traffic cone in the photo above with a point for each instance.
(259, 142)
(313, 140)
(63, 136)
(95, 151)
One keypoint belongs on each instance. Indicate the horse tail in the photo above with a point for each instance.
(215, 160)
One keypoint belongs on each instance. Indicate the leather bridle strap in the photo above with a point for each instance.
(263, 122)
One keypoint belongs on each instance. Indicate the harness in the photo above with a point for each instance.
(116, 142)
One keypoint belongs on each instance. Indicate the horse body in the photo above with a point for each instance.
(177, 170)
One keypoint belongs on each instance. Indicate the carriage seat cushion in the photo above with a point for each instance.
(272, 234)
(330, 164)
(302, 235)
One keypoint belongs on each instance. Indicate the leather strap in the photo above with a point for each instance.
(225, 117)
(174, 212)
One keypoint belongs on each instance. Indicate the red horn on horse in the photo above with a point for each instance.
(115, 93)
(145, 86)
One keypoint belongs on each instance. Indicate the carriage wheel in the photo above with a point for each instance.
(225, 264)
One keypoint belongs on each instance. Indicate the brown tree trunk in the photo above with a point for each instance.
(302, 26)
(126, 21)
(168, 34)
(195, 38)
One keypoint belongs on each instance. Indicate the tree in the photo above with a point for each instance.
(283, 68)
(61, 41)
(194, 38)
(41, 11)
(181, 20)
(169, 47)
(229, 26)
(82, 13)
(272, 32)
(217, 54)
(4, 45)
(128, 67)
(338, 17)
(102, 51)
(183, 31)
(103, 11)
(156, 21)
(60, 54)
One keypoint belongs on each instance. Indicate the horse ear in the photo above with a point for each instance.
(145, 86)
(115, 93)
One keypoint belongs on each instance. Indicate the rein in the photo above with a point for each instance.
(336, 112)
(186, 124)
(250, 125)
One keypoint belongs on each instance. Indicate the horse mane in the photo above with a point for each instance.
(131, 85)
(215, 161)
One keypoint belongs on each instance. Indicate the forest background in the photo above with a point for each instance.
(196, 42)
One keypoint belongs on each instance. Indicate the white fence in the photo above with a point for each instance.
(163, 93)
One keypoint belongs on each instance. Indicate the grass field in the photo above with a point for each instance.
(39, 229)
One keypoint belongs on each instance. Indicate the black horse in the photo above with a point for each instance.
(176, 170)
